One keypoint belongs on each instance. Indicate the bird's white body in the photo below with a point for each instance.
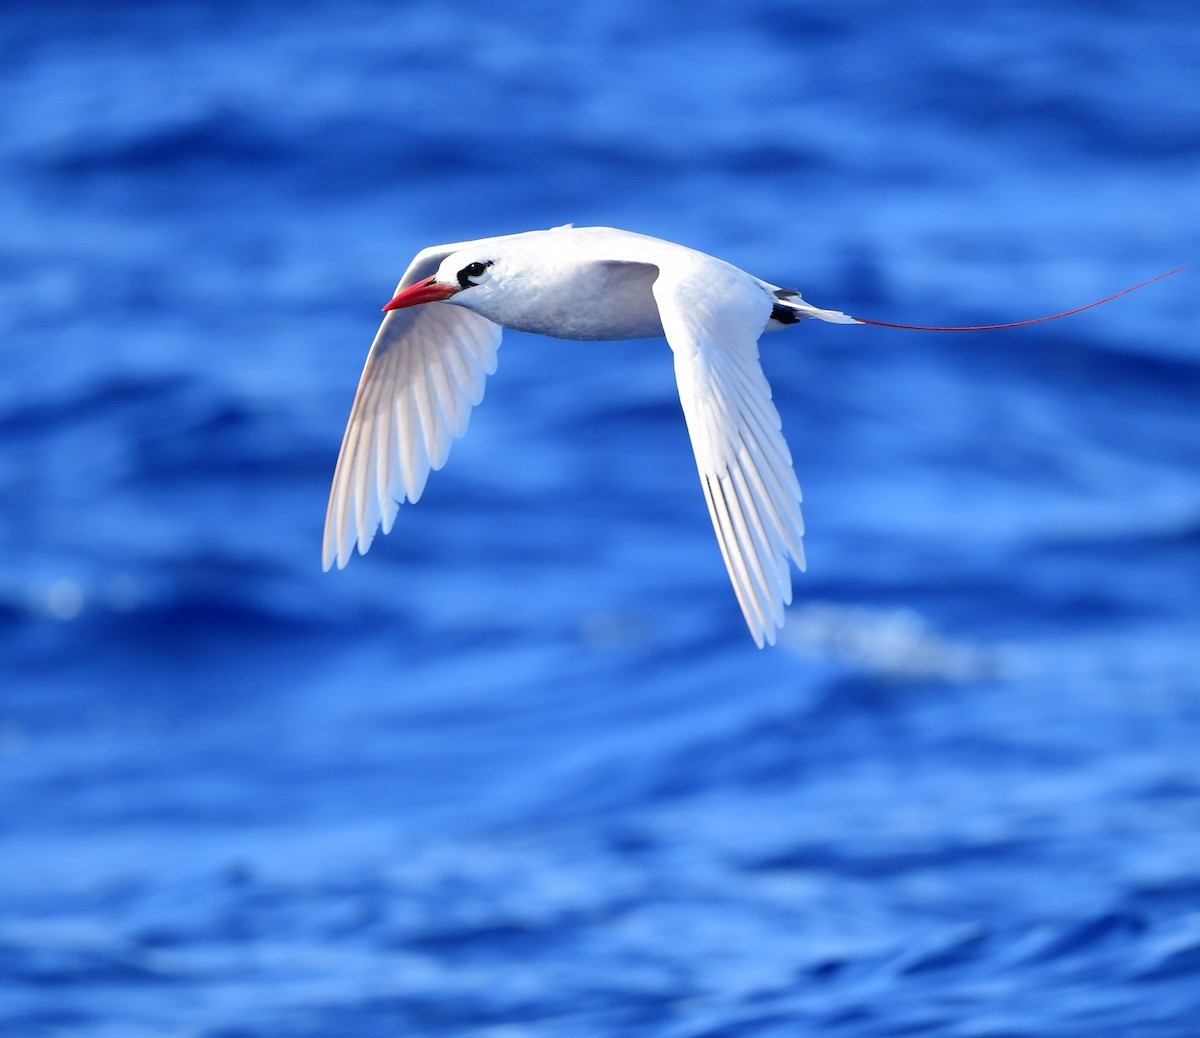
(427, 366)
(601, 287)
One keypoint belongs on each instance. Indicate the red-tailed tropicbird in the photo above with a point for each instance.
(427, 365)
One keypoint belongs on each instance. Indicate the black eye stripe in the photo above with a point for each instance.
(472, 270)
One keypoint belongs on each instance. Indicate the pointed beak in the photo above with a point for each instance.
(427, 291)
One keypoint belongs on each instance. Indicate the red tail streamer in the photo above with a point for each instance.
(1032, 320)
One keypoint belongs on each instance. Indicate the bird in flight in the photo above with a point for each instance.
(438, 342)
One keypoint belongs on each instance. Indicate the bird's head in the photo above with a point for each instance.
(458, 273)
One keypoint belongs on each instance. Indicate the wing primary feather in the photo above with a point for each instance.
(412, 447)
(729, 567)
(781, 495)
(366, 498)
(767, 549)
(344, 475)
(733, 560)
(424, 462)
(384, 440)
(750, 487)
(758, 586)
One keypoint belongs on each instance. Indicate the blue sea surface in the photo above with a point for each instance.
(521, 771)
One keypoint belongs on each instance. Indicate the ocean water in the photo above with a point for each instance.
(521, 771)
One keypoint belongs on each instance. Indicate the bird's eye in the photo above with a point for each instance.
(472, 272)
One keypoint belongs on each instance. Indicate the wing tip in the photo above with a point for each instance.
(333, 557)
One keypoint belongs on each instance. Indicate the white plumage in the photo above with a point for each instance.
(438, 342)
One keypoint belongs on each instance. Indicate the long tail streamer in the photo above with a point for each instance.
(1032, 320)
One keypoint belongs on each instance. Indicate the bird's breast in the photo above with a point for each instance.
(595, 300)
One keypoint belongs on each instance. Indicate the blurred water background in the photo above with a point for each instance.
(521, 771)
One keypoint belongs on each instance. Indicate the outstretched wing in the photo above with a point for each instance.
(425, 372)
(713, 316)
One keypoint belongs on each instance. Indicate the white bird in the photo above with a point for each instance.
(427, 366)
(428, 362)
